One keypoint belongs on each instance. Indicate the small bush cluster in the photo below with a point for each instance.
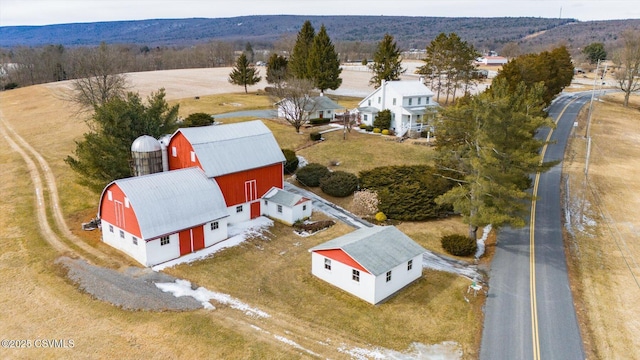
(291, 161)
(368, 128)
(362, 126)
(311, 174)
(312, 227)
(319, 121)
(459, 245)
(315, 136)
(385, 132)
(339, 184)
(377, 130)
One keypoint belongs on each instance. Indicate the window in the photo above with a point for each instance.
(193, 156)
(109, 195)
(379, 99)
(239, 209)
(388, 276)
(135, 240)
(164, 240)
(419, 100)
(410, 100)
(214, 225)
(355, 275)
(126, 202)
(304, 207)
(366, 117)
(327, 264)
(122, 234)
(410, 265)
(280, 208)
(394, 101)
(174, 151)
(266, 203)
(369, 102)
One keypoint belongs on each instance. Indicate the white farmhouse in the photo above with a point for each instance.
(370, 263)
(406, 99)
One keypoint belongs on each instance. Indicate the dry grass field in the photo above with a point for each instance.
(604, 232)
(309, 319)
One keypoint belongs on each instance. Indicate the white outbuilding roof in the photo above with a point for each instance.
(377, 249)
(230, 148)
(168, 202)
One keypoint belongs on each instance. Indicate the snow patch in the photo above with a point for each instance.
(482, 240)
(183, 288)
(448, 350)
(238, 233)
(294, 344)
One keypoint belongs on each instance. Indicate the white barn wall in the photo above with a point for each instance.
(212, 237)
(157, 253)
(138, 252)
(299, 213)
(238, 217)
(340, 276)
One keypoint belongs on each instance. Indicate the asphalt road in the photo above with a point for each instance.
(521, 323)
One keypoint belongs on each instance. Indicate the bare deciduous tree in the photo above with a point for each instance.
(628, 60)
(294, 101)
(99, 76)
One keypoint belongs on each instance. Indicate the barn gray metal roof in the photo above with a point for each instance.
(167, 202)
(230, 148)
(377, 249)
(283, 197)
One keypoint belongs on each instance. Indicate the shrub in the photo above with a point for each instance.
(319, 121)
(381, 217)
(407, 192)
(364, 62)
(362, 126)
(291, 161)
(385, 132)
(383, 119)
(376, 130)
(315, 136)
(365, 202)
(459, 245)
(339, 184)
(11, 85)
(369, 128)
(311, 174)
(314, 226)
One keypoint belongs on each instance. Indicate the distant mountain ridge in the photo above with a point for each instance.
(409, 32)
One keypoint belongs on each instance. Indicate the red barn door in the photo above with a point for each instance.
(197, 235)
(185, 242)
(255, 209)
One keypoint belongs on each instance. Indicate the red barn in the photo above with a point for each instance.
(243, 158)
(158, 217)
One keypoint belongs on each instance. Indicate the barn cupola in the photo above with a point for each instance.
(146, 153)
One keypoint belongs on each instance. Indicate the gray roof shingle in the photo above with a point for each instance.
(377, 249)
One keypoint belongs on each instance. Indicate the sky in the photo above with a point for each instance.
(47, 12)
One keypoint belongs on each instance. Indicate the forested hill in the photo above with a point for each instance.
(262, 31)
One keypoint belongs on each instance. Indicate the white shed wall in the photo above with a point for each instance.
(157, 253)
(400, 278)
(212, 237)
(340, 276)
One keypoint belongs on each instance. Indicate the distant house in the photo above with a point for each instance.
(492, 60)
(243, 158)
(407, 100)
(285, 206)
(159, 217)
(319, 107)
(370, 263)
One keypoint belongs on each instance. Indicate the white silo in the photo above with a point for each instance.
(147, 156)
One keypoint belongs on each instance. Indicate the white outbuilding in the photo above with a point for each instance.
(285, 206)
(370, 263)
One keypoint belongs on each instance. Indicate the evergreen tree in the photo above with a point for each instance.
(104, 154)
(197, 119)
(244, 73)
(387, 62)
(276, 69)
(486, 143)
(323, 63)
(300, 54)
(554, 69)
(595, 52)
